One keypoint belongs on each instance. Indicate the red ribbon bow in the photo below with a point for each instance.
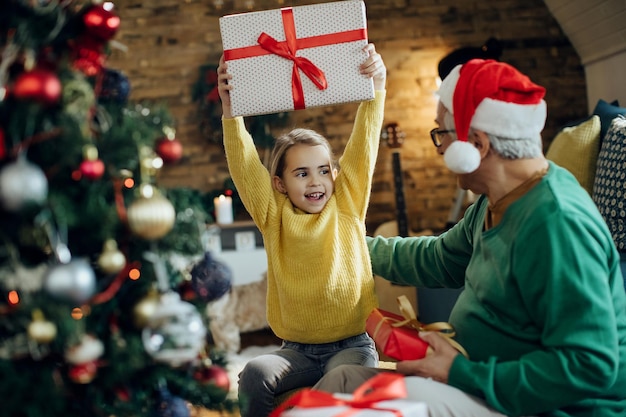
(382, 387)
(288, 51)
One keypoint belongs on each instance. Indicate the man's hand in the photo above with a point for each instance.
(436, 364)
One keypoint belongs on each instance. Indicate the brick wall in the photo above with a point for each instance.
(168, 40)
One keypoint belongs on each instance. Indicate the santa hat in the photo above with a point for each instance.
(493, 97)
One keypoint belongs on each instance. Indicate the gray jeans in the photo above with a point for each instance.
(442, 399)
(297, 365)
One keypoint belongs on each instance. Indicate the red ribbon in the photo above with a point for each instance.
(3, 148)
(115, 285)
(288, 49)
(382, 387)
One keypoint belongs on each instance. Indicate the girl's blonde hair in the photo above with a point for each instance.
(298, 136)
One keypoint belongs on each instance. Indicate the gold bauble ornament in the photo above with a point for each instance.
(41, 330)
(145, 308)
(111, 260)
(151, 216)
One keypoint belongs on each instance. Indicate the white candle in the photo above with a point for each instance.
(223, 209)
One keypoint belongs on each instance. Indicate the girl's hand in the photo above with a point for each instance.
(223, 87)
(374, 67)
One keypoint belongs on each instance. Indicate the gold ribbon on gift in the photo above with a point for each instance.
(410, 320)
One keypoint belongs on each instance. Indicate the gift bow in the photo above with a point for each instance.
(382, 387)
(410, 320)
(288, 50)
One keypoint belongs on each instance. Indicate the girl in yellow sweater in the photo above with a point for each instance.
(312, 218)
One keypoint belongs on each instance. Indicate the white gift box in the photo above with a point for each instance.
(327, 38)
(383, 409)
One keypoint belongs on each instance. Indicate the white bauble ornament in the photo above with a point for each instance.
(22, 183)
(175, 333)
(87, 350)
(41, 330)
(74, 281)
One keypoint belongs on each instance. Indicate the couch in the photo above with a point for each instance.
(594, 151)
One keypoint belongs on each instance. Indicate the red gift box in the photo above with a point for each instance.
(400, 343)
(397, 336)
(296, 57)
(382, 395)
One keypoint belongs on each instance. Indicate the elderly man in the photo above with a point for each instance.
(543, 310)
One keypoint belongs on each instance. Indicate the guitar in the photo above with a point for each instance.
(387, 292)
(395, 139)
(399, 227)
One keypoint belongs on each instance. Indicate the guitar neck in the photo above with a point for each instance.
(401, 215)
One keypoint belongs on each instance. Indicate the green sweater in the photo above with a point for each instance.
(543, 311)
(320, 282)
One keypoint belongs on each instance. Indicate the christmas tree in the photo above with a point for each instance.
(94, 318)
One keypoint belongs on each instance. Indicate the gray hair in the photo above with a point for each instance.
(516, 148)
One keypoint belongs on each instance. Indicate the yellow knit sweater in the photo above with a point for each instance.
(320, 282)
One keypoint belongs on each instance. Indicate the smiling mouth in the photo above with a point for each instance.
(315, 196)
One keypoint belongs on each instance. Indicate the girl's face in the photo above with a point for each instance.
(308, 178)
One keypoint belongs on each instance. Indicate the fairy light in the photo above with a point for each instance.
(77, 313)
(134, 274)
(129, 183)
(13, 297)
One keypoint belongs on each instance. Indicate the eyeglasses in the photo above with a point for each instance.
(437, 135)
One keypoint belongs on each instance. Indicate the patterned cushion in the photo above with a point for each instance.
(609, 189)
(576, 149)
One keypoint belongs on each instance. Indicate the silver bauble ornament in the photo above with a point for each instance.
(175, 333)
(74, 281)
(22, 183)
(151, 216)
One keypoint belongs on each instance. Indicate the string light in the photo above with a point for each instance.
(77, 313)
(129, 183)
(13, 297)
(134, 274)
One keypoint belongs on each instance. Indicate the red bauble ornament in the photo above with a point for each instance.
(213, 375)
(170, 150)
(39, 85)
(92, 170)
(88, 55)
(101, 23)
(83, 373)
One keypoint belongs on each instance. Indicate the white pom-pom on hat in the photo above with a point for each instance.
(462, 157)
